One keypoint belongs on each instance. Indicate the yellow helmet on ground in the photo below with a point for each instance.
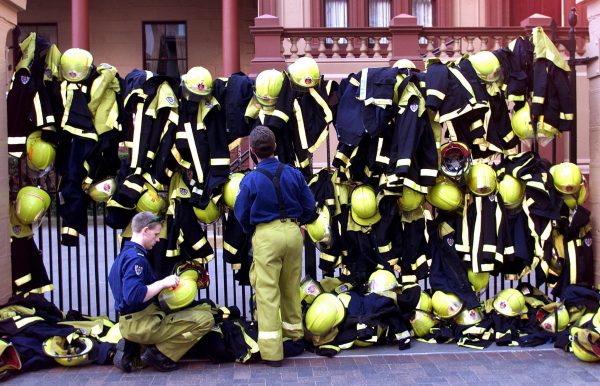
(208, 215)
(363, 206)
(9, 358)
(481, 180)
(445, 305)
(150, 200)
(469, 317)
(381, 280)
(478, 280)
(553, 317)
(309, 289)
(325, 312)
(487, 66)
(512, 191)
(68, 351)
(445, 195)
(410, 199)
(31, 204)
(424, 303)
(521, 122)
(567, 177)
(232, 188)
(268, 86)
(196, 83)
(510, 302)
(304, 72)
(103, 190)
(422, 323)
(173, 299)
(76, 64)
(40, 154)
(583, 341)
(455, 159)
(405, 63)
(319, 230)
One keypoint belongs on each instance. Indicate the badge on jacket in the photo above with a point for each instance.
(138, 269)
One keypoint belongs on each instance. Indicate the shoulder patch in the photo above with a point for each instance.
(138, 269)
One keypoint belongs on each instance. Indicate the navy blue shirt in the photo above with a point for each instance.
(129, 277)
(257, 202)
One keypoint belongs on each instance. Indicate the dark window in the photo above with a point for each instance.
(47, 30)
(165, 48)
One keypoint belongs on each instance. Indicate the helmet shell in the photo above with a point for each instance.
(481, 180)
(319, 230)
(553, 317)
(521, 122)
(74, 353)
(455, 159)
(405, 63)
(512, 191)
(567, 177)
(197, 82)
(103, 190)
(422, 323)
(208, 215)
(268, 86)
(76, 64)
(445, 305)
(487, 65)
(381, 280)
(40, 154)
(510, 302)
(325, 312)
(173, 299)
(478, 280)
(410, 199)
(310, 289)
(150, 200)
(468, 317)
(304, 72)
(445, 195)
(232, 188)
(363, 206)
(31, 204)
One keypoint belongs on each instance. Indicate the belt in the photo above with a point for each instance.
(294, 220)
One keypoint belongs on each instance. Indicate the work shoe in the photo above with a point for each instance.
(127, 355)
(278, 363)
(153, 357)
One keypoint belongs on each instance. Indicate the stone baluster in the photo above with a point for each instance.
(377, 48)
(470, 47)
(430, 47)
(484, 41)
(443, 47)
(294, 47)
(335, 49)
(322, 47)
(350, 47)
(457, 46)
(389, 48)
(308, 47)
(497, 42)
(363, 47)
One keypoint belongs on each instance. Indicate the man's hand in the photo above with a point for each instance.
(170, 281)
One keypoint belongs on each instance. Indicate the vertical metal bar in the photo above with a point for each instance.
(78, 272)
(216, 263)
(51, 253)
(87, 273)
(59, 258)
(96, 259)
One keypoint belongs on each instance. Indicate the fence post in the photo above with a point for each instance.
(405, 39)
(267, 44)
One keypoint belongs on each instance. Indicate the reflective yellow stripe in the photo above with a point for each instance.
(291, 326)
(429, 172)
(438, 94)
(269, 334)
(476, 234)
(385, 248)
(354, 82)
(194, 151)
(300, 125)
(489, 248)
(509, 250)
(487, 267)
(566, 117)
(403, 162)
(172, 252)
(538, 99)
(381, 158)
(39, 115)
(339, 155)
(281, 115)
(69, 231)
(409, 279)
(516, 98)
(229, 248)
(22, 280)
(133, 186)
(327, 257)
(319, 99)
(362, 92)
(464, 82)
(219, 162)
(420, 261)
(17, 140)
(22, 322)
(80, 133)
(572, 262)
(199, 244)
(508, 137)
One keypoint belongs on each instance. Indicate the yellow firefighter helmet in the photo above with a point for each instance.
(405, 63)
(455, 159)
(67, 351)
(381, 280)
(567, 177)
(583, 341)
(304, 72)
(31, 204)
(103, 190)
(410, 199)
(150, 200)
(468, 317)
(363, 206)
(510, 302)
(309, 289)
(196, 83)
(422, 323)
(208, 215)
(325, 312)
(445, 195)
(553, 317)
(512, 191)
(173, 299)
(268, 86)
(481, 180)
(319, 230)
(76, 64)
(487, 66)
(232, 188)
(478, 280)
(446, 305)
(521, 122)
(40, 154)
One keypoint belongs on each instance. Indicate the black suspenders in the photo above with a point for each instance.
(275, 180)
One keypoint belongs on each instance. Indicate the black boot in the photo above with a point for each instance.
(153, 357)
(127, 356)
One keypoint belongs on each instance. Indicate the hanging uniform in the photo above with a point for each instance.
(516, 62)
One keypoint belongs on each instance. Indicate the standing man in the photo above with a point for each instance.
(273, 201)
(134, 284)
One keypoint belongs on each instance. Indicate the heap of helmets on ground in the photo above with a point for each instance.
(428, 182)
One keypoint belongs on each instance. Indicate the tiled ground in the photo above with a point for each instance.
(423, 364)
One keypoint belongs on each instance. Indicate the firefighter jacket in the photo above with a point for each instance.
(349, 120)
(552, 97)
(27, 265)
(305, 115)
(447, 271)
(415, 259)
(201, 146)
(577, 247)
(388, 231)
(236, 248)
(413, 143)
(151, 108)
(121, 205)
(234, 94)
(28, 105)
(450, 94)
(376, 92)
(518, 260)
(481, 235)
(516, 62)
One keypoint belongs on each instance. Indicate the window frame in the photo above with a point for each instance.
(177, 59)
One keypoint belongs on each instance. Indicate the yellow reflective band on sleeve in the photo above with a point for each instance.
(133, 186)
(476, 234)
(438, 94)
(362, 91)
(321, 102)
(354, 82)
(403, 162)
(17, 140)
(39, 115)
(80, 133)
(219, 162)
(516, 98)
(194, 151)
(229, 248)
(291, 326)
(43, 289)
(320, 140)
(335, 348)
(269, 335)
(300, 125)
(538, 99)
(150, 154)
(508, 137)
(463, 81)
(509, 250)
(22, 280)
(327, 257)
(69, 231)
(281, 115)
(420, 261)
(409, 278)
(572, 252)
(385, 248)
(429, 172)
(199, 244)
(487, 267)
(22, 322)
(567, 117)
(341, 156)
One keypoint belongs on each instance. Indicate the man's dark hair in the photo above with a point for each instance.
(262, 141)
(143, 220)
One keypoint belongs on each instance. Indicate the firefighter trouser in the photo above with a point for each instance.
(173, 334)
(275, 277)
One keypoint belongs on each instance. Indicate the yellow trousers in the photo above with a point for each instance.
(173, 334)
(275, 277)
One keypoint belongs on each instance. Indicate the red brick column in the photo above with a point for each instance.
(80, 24)
(405, 39)
(267, 44)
